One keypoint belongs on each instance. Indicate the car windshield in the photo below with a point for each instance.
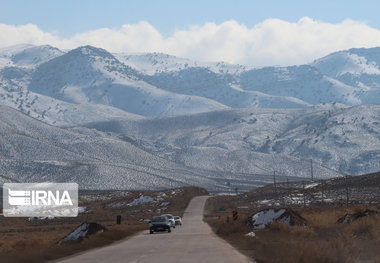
(159, 219)
(177, 217)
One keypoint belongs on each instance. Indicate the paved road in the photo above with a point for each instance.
(193, 242)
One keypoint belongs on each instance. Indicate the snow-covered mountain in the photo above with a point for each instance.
(27, 56)
(346, 139)
(304, 82)
(14, 92)
(155, 63)
(223, 121)
(223, 88)
(354, 61)
(159, 85)
(92, 75)
(359, 68)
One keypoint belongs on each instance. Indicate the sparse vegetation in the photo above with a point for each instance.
(323, 240)
(36, 241)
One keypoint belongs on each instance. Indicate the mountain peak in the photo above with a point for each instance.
(92, 52)
(28, 56)
(352, 62)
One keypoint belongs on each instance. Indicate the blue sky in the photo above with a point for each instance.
(69, 17)
(255, 33)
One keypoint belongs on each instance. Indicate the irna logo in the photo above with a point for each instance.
(40, 199)
(17, 197)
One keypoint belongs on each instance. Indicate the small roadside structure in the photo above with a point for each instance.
(266, 217)
(82, 231)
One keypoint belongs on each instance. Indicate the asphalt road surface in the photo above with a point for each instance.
(194, 242)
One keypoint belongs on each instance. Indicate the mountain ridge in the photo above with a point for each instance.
(209, 116)
(158, 85)
(342, 138)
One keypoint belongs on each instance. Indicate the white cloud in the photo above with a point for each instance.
(271, 42)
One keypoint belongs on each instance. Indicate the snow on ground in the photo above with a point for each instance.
(77, 234)
(34, 218)
(154, 63)
(262, 219)
(266, 202)
(93, 159)
(82, 209)
(82, 231)
(312, 185)
(250, 234)
(141, 200)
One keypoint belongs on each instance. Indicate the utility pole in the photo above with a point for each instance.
(274, 182)
(311, 170)
(304, 196)
(347, 191)
(323, 191)
(287, 183)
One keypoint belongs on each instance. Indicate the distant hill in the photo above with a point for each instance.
(32, 151)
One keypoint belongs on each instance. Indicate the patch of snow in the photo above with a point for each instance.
(265, 202)
(262, 219)
(40, 218)
(141, 200)
(311, 185)
(79, 233)
(82, 209)
(250, 234)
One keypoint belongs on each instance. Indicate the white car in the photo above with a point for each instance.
(170, 219)
(178, 220)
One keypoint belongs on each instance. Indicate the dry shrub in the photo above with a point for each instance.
(302, 232)
(279, 226)
(234, 227)
(323, 217)
(287, 247)
(365, 227)
(334, 251)
(322, 241)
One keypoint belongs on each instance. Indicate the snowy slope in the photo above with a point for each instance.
(302, 82)
(14, 93)
(158, 85)
(155, 63)
(92, 75)
(346, 139)
(354, 61)
(27, 56)
(221, 88)
(349, 77)
(31, 151)
(15, 77)
(359, 68)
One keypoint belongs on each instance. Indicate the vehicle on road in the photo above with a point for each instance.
(160, 224)
(178, 220)
(171, 219)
